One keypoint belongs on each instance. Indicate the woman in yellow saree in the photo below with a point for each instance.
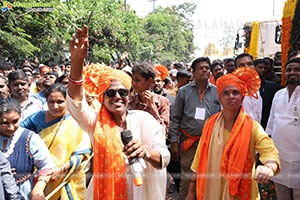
(69, 145)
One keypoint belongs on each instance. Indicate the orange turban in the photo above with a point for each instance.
(245, 79)
(97, 79)
(109, 163)
(162, 71)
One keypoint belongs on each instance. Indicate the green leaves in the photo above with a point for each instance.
(170, 31)
(165, 35)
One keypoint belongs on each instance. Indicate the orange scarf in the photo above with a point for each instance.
(236, 164)
(109, 164)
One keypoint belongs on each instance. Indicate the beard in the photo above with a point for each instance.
(292, 81)
(157, 90)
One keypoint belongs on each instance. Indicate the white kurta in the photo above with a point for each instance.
(283, 126)
(146, 129)
(253, 107)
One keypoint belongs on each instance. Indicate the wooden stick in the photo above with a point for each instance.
(85, 163)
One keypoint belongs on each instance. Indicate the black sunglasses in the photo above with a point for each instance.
(112, 93)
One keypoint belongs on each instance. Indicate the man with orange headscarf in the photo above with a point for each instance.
(158, 86)
(112, 177)
(224, 160)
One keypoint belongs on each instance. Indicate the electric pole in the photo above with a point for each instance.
(153, 5)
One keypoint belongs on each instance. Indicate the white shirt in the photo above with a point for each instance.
(283, 126)
(146, 129)
(253, 107)
(32, 106)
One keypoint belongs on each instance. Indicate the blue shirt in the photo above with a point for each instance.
(40, 96)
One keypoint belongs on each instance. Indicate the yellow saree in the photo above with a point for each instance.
(67, 142)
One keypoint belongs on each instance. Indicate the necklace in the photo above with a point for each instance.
(14, 140)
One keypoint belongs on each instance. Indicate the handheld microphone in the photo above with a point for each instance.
(134, 164)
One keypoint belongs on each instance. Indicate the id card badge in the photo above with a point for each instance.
(200, 113)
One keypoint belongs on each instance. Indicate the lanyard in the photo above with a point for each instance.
(201, 95)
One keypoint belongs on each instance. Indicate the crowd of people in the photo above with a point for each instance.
(224, 129)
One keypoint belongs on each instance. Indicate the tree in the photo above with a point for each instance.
(171, 33)
(26, 34)
(112, 30)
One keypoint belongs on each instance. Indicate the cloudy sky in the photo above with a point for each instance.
(213, 14)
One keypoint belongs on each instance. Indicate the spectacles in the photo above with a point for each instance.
(112, 93)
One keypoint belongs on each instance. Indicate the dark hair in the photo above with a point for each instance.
(8, 105)
(36, 71)
(61, 78)
(18, 74)
(27, 70)
(144, 69)
(183, 73)
(201, 59)
(293, 53)
(241, 56)
(4, 78)
(52, 73)
(167, 80)
(178, 65)
(218, 61)
(33, 65)
(295, 60)
(215, 64)
(57, 87)
(269, 59)
(53, 64)
(260, 61)
(227, 60)
(27, 66)
(4, 67)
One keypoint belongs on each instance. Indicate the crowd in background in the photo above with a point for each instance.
(47, 133)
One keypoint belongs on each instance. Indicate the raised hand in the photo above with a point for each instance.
(78, 48)
(79, 45)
